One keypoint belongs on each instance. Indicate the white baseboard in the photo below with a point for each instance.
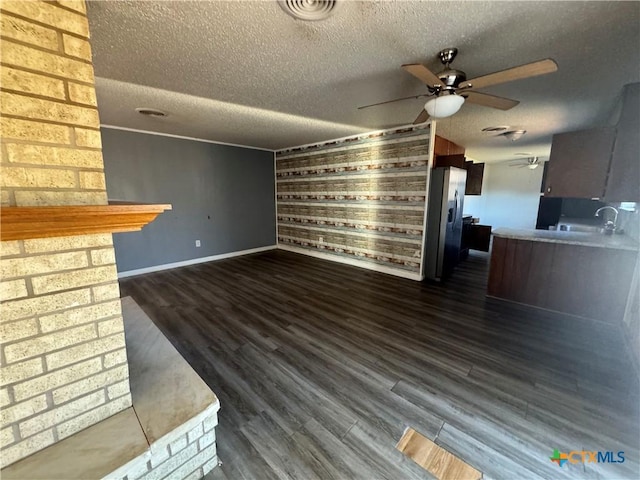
(193, 261)
(353, 262)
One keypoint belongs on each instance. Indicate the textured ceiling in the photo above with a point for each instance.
(247, 73)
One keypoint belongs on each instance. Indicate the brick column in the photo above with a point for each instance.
(63, 363)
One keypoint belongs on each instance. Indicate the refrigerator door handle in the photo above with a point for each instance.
(455, 206)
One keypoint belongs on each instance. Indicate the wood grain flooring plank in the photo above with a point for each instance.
(274, 399)
(357, 350)
(483, 457)
(574, 432)
(319, 367)
(240, 460)
(288, 396)
(502, 431)
(486, 399)
(343, 356)
(345, 460)
(278, 450)
(314, 402)
(352, 360)
(216, 474)
(433, 458)
(377, 405)
(235, 401)
(373, 444)
(602, 471)
(384, 341)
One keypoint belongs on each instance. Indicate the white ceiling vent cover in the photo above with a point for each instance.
(150, 112)
(309, 10)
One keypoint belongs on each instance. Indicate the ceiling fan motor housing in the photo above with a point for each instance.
(451, 78)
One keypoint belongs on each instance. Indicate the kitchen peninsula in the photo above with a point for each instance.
(585, 274)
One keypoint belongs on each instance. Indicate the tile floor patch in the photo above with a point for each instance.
(435, 459)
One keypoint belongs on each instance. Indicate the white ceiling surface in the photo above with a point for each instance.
(247, 73)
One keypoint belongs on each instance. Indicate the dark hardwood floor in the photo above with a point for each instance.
(319, 367)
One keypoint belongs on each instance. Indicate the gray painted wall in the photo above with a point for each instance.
(221, 195)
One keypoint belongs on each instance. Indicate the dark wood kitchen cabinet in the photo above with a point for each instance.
(442, 146)
(601, 163)
(449, 154)
(457, 161)
(579, 163)
(475, 173)
(623, 184)
(476, 237)
(591, 282)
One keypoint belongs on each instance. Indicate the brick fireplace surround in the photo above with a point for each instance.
(63, 357)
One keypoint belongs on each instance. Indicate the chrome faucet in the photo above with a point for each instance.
(609, 226)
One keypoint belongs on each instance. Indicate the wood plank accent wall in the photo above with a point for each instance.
(361, 198)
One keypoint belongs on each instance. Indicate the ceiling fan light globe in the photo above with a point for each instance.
(532, 166)
(444, 106)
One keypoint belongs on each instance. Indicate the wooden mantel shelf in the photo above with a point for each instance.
(21, 223)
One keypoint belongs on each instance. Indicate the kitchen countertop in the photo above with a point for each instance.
(587, 239)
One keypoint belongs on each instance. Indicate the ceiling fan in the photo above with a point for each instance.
(531, 163)
(450, 88)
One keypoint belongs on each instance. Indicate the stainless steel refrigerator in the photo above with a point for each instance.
(444, 221)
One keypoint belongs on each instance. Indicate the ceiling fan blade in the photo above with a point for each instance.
(395, 100)
(422, 73)
(423, 117)
(541, 67)
(487, 100)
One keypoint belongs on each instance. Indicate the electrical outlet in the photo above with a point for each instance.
(198, 243)
(321, 239)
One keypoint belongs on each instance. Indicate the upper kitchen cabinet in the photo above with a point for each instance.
(442, 146)
(475, 174)
(449, 154)
(603, 163)
(579, 163)
(624, 177)
(457, 161)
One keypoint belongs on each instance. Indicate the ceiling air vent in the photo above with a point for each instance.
(150, 112)
(500, 128)
(309, 10)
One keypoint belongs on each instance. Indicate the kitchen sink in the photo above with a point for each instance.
(577, 227)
